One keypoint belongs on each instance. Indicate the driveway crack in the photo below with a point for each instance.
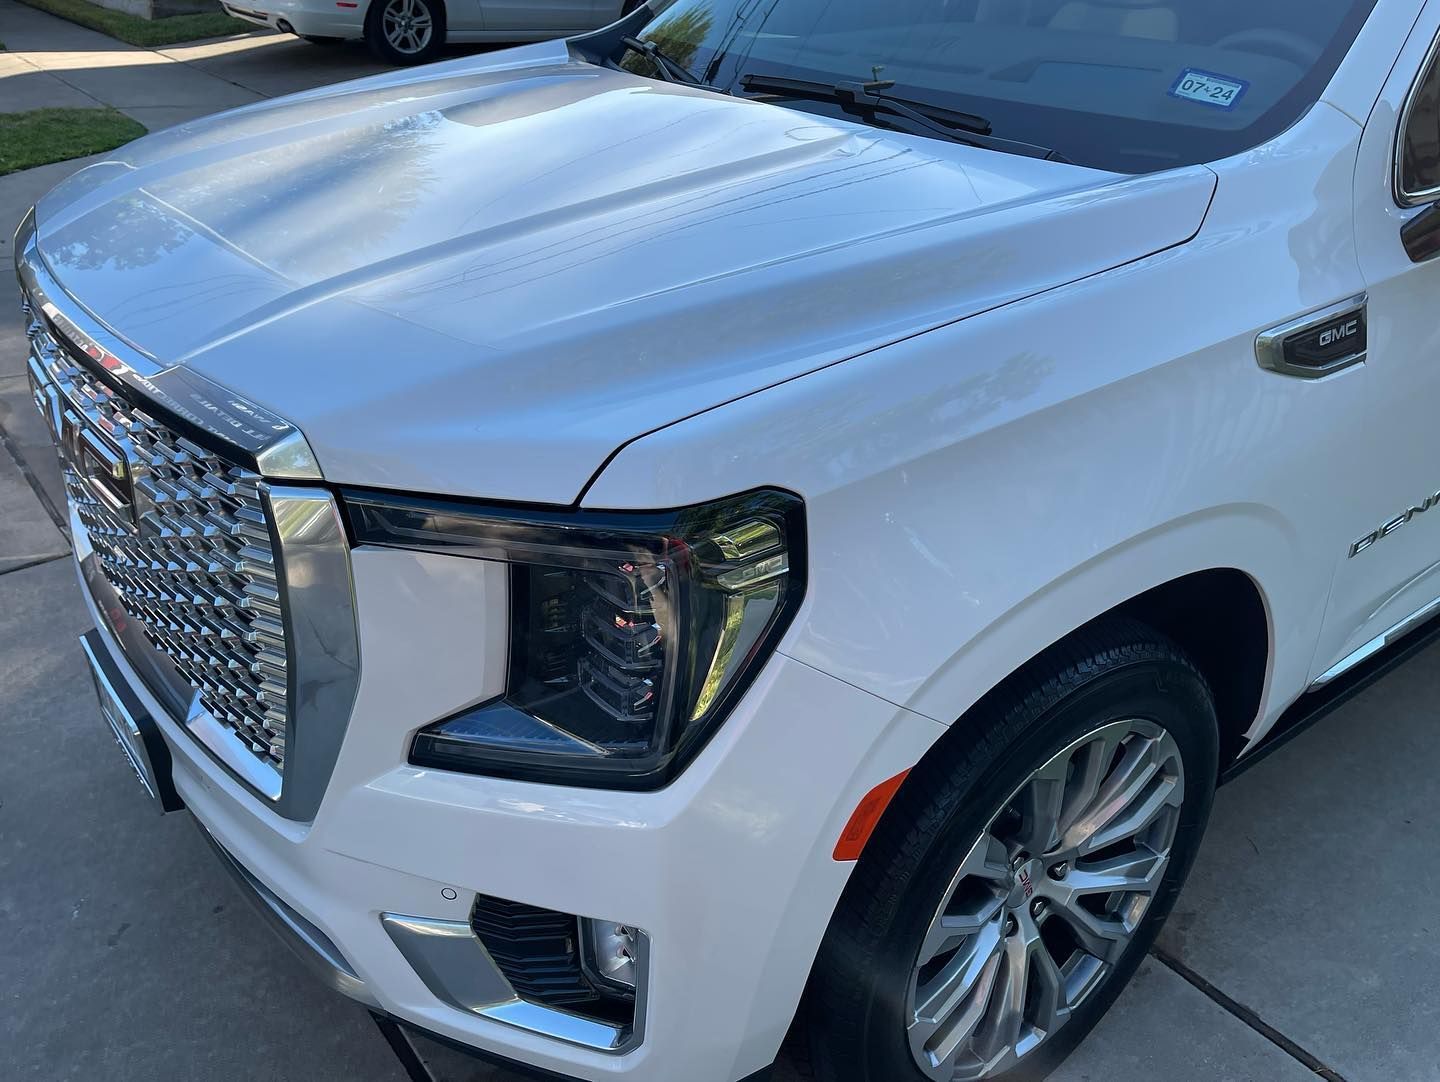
(1247, 1016)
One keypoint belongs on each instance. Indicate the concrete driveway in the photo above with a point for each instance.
(1303, 946)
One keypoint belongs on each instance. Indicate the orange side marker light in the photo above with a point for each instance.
(865, 817)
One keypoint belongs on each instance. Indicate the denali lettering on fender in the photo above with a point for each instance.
(1394, 524)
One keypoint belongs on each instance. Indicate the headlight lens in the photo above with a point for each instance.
(631, 634)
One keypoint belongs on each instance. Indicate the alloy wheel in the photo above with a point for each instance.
(408, 25)
(1046, 902)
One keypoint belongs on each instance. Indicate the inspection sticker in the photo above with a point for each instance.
(1208, 88)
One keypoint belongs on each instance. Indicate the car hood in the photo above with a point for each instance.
(482, 277)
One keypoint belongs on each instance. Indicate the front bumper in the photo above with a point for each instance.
(728, 870)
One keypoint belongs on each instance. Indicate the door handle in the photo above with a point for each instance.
(1319, 344)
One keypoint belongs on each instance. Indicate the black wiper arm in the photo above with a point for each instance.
(672, 70)
(870, 98)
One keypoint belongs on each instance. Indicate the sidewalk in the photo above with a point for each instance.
(54, 63)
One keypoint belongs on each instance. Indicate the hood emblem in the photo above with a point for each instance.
(107, 466)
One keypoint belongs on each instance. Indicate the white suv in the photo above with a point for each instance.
(770, 514)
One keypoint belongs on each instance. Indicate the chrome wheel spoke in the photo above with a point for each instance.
(1102, 937)
(1040, 805)
(987, 862)
(949, 930)
(954, 1002)
(1052, 1010)
(1139, 872)
(1092, 762)
(1030, 1001)
(1130, 799)
(1002, 1029)
(944, 1040)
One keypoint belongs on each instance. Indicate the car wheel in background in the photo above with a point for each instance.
(405, 31)
(1022, 871)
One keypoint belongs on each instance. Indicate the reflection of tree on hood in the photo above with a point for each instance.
(133, 232)
(287, 193)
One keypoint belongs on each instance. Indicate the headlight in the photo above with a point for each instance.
(631, 634)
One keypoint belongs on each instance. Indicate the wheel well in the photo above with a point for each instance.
(1218, 617)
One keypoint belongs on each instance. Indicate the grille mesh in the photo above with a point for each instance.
(199, 575)
(536, 949)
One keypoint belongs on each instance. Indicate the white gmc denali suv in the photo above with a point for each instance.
(774, 515)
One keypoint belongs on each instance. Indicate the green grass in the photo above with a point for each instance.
(146, 32)
(42, 136)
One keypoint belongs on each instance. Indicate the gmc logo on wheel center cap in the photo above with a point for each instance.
(1027, 882)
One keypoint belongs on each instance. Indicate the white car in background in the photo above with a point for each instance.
(415, 31)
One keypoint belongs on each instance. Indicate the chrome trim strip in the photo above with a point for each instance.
(1375, 645)
(456, 967)
(1397, 155)
(312, 946)
(451, 960)
(232, 753)
(277, 448)
(1270, 345)
(313, 569)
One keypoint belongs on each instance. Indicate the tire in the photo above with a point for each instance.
(1109, 703)
(405, 32)
(314, 39)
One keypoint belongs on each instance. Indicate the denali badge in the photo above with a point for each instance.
(1394, 524)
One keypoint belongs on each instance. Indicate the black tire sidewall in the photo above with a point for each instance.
(1161, 689)
(383, 50)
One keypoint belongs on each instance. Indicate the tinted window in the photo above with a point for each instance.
(1420, 149)
(1127, 85)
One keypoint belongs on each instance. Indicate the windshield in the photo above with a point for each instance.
(1130, 86)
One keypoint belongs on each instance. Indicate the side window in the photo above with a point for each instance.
(1418, 172)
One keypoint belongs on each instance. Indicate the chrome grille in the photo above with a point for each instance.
(198, 569)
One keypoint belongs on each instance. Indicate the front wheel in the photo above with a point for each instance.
(405, 31)
(1016, 884)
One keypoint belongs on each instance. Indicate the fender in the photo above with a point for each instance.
(1222, 537)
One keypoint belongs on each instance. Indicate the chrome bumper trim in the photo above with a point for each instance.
(458, 970)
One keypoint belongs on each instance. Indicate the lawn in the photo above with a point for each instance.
(146, 32)
(42, 136)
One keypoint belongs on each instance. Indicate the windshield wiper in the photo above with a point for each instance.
(671, 70)
(870, 99)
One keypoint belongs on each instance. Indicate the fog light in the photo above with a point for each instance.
(611, 954)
